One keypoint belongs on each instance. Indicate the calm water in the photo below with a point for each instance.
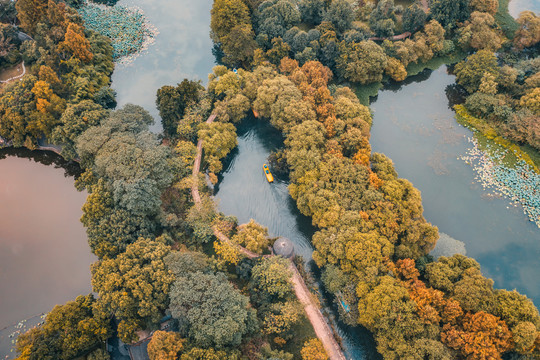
(44, 256)
(415, 127)
(517, 6)
(244, 192)
(182, 49)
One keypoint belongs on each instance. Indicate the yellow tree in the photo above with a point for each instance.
(313, 350)
(165, 345)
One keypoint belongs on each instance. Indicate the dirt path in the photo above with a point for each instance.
(321, 327)
(393, 38)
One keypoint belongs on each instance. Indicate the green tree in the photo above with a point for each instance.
(362, 62)
(312, 11)
(470, 71)
(134, 286)
(130, 158)
(172, 103)
(239, 45)
(271, 278)
(414, 17)
(449, 12)
(74, 121)
(340, 14)
(216, 314)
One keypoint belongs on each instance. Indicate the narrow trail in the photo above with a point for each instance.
(318, 321)
(15, 77)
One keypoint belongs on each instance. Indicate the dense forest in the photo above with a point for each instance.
(157, 251)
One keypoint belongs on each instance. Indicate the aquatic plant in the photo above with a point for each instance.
(127, 27)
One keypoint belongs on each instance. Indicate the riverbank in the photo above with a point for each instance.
(317, 320)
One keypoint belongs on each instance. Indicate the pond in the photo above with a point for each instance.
(182, 49)
(414, 125)
(44, 255)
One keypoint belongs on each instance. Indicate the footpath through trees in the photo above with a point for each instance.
(321, 327)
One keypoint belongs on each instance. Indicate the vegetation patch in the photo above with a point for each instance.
(127, 27)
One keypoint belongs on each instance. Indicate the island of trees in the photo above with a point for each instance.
(157, 253)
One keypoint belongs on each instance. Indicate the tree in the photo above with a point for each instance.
(470, 71)
(487, 6)
(239, 45)
(252, 236)
(74, 121)
(313, 350)
(205, 354)
(363, 62)
(528, 33)
(479, 34)
(216, 314)
(172, 103)
(30, 13)
(281, 316)
(414, 17)
(531, 101)
(68, 331)
(479, 336)
(226, 14)
(8, 12)
(130, 158)
(271, 278)
(382, 18)
(449, 12)
(218, 140)
(340, 14)
(76, 42)
(134, 286)
(312, 11)
(395, 69)
(165, 345)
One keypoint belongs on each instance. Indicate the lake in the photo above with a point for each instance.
(44, 255)
(182, 49)
(414, 125)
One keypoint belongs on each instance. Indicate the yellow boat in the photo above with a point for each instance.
(268, 174)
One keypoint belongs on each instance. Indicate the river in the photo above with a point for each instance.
(44, 255)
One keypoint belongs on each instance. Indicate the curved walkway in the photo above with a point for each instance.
(318, 321)
(15, 77)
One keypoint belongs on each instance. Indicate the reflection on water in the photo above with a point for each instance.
(243, 191)
(182, 49)
(517, 6)
(44, 256)
(415, 127)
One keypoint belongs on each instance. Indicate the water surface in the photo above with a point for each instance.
(182, 49)
(44, 255)
(414, 126)
(517, 6)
